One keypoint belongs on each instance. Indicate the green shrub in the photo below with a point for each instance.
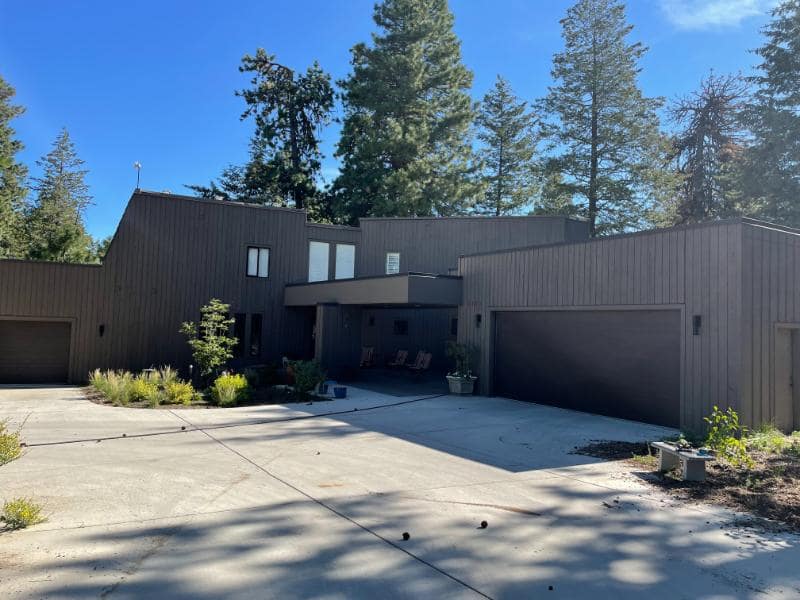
(768, 439)
(21, 512)
(462, 355)
(119, 387)
(229, 390)
(725, 436)
(211, 345)
(10, 448)
(307, 375)
(167, 375)
(144, 389)
(179, 392)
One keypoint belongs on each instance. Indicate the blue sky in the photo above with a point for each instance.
(154, 81)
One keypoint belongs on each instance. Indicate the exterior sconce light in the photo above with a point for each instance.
(478, 319)
(697, 322)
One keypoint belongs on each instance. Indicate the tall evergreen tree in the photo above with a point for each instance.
(506, 128)
(708, 150)
(12, 176)
(405, 145)
(54, 221)
(289, 109)
(603, 130)
(773, 159)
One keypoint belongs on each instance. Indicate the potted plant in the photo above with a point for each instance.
(461, 380)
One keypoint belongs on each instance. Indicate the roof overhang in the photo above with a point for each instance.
(415, 289)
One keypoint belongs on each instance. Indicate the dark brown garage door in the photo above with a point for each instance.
(34, 351)
(619, 363)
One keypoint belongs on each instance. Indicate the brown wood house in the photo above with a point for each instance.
(657, 326)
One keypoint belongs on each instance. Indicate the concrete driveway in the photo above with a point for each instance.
(257, 503)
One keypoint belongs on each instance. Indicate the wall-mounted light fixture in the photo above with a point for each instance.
(697, 322)
(101, 330)
(478, 319)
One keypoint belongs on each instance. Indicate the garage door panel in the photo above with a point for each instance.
(618, 363)
(34, 351)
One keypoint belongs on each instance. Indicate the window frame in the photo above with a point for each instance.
(258, 261)
(386, 263)
(327, 262)
(336, 247)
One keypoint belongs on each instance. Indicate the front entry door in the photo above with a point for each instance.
(787, 379)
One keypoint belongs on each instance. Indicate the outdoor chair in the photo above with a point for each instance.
(399, 360)
(423, 365)
(417, 361)
(367, 353)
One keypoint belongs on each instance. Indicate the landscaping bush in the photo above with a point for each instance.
(118, 387)
(179, 392)
(229, 390)
(21, 512)
(144, 389)
(725, 436)
(10, 448)
(462, 355)
(166, 375)
(211, 345)
(307, 375)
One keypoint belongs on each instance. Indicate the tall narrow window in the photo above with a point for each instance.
(345, 261)
(239, 320)
(392, 263)
(318, 261)
(257, 262)
(255, 334)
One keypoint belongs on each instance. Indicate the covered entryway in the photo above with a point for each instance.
(34, 351)
(622, 363)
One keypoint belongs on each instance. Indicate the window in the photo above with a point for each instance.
(345, 261)
(239, 320)
(255, 334)
(257, 262)
(401, 327)
(318, 255)
(392, 263)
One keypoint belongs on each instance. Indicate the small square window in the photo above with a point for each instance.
(257, 262)
(400, 327)
(392, 263)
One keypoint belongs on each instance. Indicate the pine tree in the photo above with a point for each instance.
(289, 109)
(708, 150)
(405, 145)
(773, 159)
(12, 176)
(603, 130)
(507, 132)
(54, 227)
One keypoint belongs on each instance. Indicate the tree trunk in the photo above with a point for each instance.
(297, 188)
(499, 182)
(593, 167)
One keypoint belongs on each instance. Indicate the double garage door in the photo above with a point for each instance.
(34, 351)
(613, 362)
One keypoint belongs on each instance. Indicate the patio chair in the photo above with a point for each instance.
(417, 361)
(367, 353)
(423, 365)
(399, 360)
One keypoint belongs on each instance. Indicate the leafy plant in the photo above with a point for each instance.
(10, 448)
(179, 392)
(212, 347)
(21, 512)
(143, 389)
(725, 436)
(307, 375)
(462, 355)
(229, 389)
(118, 387)
(166, 375)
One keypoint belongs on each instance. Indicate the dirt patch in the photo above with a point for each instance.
(770, 489)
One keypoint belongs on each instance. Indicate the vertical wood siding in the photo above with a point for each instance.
(433, 245)
(698, 268)
(771, 295)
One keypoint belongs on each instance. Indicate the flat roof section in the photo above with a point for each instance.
(403, 289)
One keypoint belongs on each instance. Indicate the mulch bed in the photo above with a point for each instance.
(771, 489)
(258, 397)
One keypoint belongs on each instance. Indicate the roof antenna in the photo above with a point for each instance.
(138, 166)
